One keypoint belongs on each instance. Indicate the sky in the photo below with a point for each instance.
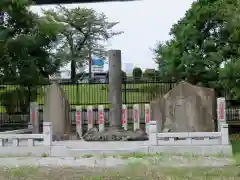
(143, 22)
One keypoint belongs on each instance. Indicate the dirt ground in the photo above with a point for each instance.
(129, 172)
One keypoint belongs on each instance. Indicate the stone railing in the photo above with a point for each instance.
(194, 138)
(190, 138)
(31, 138)
(18, 131)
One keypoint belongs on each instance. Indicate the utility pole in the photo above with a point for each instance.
(89, 63)
(1, 18)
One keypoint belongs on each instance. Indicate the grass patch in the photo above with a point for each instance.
(137, 155)
(87, 156)
(98, 93)
(23, 172)
(16, 155)
(44, 155)
(134, 172)
(128, 155)
(236, 150)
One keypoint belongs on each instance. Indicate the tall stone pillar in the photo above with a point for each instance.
(115, 88)
(115, 132)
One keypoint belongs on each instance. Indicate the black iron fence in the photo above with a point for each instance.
(14, 107)
(15, 99)
(98, 93)
(232, 112)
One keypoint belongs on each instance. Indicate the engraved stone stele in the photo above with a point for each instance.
(57, 110)
(186, 108)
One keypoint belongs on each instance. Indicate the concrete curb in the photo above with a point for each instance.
(108, 162)
(66, 151)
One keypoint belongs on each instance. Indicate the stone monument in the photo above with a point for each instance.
(115, 132)
(57, 110)
(186, 108)
(115, 88)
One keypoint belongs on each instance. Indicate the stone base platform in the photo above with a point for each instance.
(115, 135)
(80, 148)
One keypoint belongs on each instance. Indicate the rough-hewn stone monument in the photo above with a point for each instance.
(186, 108)
(57, 110)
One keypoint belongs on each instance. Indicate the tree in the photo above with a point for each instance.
(150, 74)
(205, 46)
(85, 30)
(137, 73)
(25, 43)
(124, 75)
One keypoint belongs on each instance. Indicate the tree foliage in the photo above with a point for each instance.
(123, 73)
(25, 49)
(137, 73)
(85, 32)
(25, 43)
(150, 74)
(204, 48)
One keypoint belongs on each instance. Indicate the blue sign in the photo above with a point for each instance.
(97, 62)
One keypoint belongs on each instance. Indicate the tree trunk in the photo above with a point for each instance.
(1, 18)
(90, 65)
(73, 71)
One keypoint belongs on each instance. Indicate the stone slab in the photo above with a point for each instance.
(225, 150)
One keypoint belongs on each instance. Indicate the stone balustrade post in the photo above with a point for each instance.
(34, 117)
(47, 131)
(79, 123)
(221, 112)
(101, 118)
(124, 117)
(225, 135)
(147, 118)
(136, 118)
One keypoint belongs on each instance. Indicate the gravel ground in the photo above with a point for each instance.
(106, 162)
(116, 168)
